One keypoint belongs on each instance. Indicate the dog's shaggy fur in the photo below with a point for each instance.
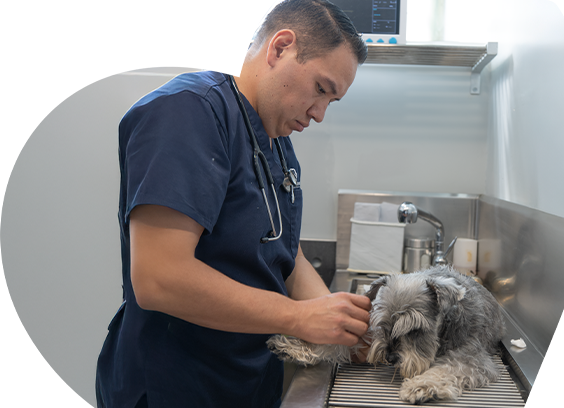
(439, 327)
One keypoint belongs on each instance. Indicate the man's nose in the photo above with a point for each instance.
(317, 111)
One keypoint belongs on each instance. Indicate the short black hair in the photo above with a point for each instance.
(320, 27)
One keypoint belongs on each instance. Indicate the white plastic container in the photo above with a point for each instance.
(376, 246)
(465, 256)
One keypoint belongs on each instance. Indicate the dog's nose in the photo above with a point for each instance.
(392, 358)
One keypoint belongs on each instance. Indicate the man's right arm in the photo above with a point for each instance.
(167, 277)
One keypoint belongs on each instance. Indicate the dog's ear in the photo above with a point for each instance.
(447, 290)
(375, 287)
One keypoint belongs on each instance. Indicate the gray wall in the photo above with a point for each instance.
(60, 235)
(399, 128)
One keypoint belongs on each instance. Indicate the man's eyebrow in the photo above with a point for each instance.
(332, 85)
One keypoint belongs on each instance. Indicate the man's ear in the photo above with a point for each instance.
(281, 44)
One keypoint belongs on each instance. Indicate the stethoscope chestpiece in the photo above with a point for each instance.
(290, 179)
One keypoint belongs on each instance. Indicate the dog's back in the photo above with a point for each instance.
(475, 318)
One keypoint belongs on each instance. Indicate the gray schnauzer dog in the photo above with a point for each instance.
(438, 327)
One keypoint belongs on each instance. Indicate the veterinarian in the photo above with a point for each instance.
(202, 290)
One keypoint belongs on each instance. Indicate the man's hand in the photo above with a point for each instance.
(339, 318)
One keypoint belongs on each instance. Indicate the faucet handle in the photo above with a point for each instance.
(450, 247)
(440, 257)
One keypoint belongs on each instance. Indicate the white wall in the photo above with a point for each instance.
(399, 128)
(407, 128)
(526, 123)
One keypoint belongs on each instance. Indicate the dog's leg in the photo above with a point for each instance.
(294, 350)
(449, 376)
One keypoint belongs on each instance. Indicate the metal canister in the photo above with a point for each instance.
(417, 254)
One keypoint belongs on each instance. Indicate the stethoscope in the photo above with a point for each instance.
(290, 175)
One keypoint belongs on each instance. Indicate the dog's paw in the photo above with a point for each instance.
(290, 349)
(417, 394)
(277, 344)
(419, 390)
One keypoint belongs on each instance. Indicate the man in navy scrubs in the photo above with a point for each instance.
(202, 294)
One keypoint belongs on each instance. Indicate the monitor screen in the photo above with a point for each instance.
(373, 16)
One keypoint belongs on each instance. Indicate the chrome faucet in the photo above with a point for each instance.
(408, 214)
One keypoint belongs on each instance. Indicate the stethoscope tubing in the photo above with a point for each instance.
(258, 155)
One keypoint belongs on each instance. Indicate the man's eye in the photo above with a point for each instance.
(320, 89)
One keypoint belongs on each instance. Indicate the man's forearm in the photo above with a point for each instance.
(208, 298)
(201, 295)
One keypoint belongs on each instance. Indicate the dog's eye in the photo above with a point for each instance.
(415, 333)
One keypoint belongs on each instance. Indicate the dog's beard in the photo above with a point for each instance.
(415, 355)
(410, 364)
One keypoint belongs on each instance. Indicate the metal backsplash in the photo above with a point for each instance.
(321, 254)
(457, 212)
(520, 259)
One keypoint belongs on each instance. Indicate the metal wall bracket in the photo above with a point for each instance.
(475, 57)
(476, 75)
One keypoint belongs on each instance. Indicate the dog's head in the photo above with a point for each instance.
(407, 314)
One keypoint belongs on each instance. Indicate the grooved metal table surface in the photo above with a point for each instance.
(363, 385)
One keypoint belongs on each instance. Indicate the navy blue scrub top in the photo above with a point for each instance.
(185, 146)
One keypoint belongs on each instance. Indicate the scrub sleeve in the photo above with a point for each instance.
(165, 165)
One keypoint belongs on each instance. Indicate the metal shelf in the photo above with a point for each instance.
(475, 57)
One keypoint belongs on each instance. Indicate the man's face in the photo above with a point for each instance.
(296, 93)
